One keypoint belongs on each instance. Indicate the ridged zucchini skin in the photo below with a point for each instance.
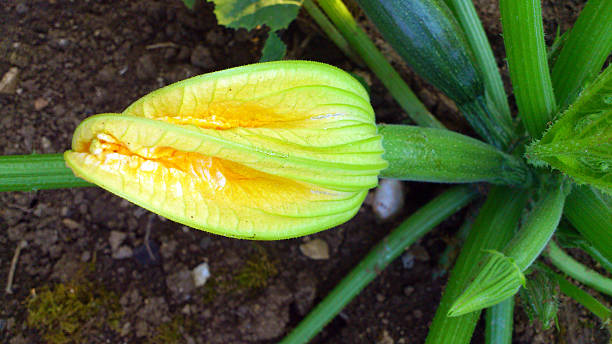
(430, 40)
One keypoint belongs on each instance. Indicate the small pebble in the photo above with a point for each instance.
(21, 8)
(115, 239)
(408, 290)
(85, 256)
(40, 103)
(200, 274)
(315, 249)
(123, 252)
(8, 84)
(388, 199)
(408, 260)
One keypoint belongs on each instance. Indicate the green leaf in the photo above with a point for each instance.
(248, 14)
(189, 3)
(580, 142)
(274, 49)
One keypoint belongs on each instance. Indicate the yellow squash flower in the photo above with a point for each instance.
(266, 151)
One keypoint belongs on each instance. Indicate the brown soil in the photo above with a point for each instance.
(77, 58)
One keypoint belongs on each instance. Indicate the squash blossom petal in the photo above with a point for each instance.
(266, 151)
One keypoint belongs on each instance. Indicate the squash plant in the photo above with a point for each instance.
(223, 152)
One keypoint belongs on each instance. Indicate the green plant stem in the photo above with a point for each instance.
(36, 172)
(494, 88)
(578, 271)
(443, 156)
(590, 215)
(499, 322)
(330, 30)
(379, 257)
(528, 65)
(494, 226)
(585, 51)
(531, 240)
(361, 43)
(582, 297)
(500, 276)
(600, 258)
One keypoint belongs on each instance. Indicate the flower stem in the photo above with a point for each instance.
(443, 156)
(36, 172)
(379, 257)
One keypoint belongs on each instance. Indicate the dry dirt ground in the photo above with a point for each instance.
(78, 58)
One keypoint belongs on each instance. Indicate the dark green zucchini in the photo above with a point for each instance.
(430, 40)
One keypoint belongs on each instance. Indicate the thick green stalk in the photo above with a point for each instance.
(36, 172)
(578, 271)
(591, 216)
(361, 43)
(494, 87)
(531, 240)
(443, 156)
(526, 54)
(379, 257)
(492, 229)
(582, 297)
(330, 30)
(501, 274)
(585, 51)
(499, 323)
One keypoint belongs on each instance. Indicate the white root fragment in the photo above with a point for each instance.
(9, 283)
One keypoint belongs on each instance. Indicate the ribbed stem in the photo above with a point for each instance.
(585, 51)
(361, 43)
(590, 215)
(443, 156)
(378, 258)
(528, 64)
(492, 229)
(330, 30)
(531, 240)
(581, 273)
(494, 88)
(36, 172)
(501, 274)
(499, 321)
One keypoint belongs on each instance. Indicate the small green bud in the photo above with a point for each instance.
(499, 279)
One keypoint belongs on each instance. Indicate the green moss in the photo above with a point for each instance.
(256, 271)
(171, 332)
(68, 312)
(254, 275)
